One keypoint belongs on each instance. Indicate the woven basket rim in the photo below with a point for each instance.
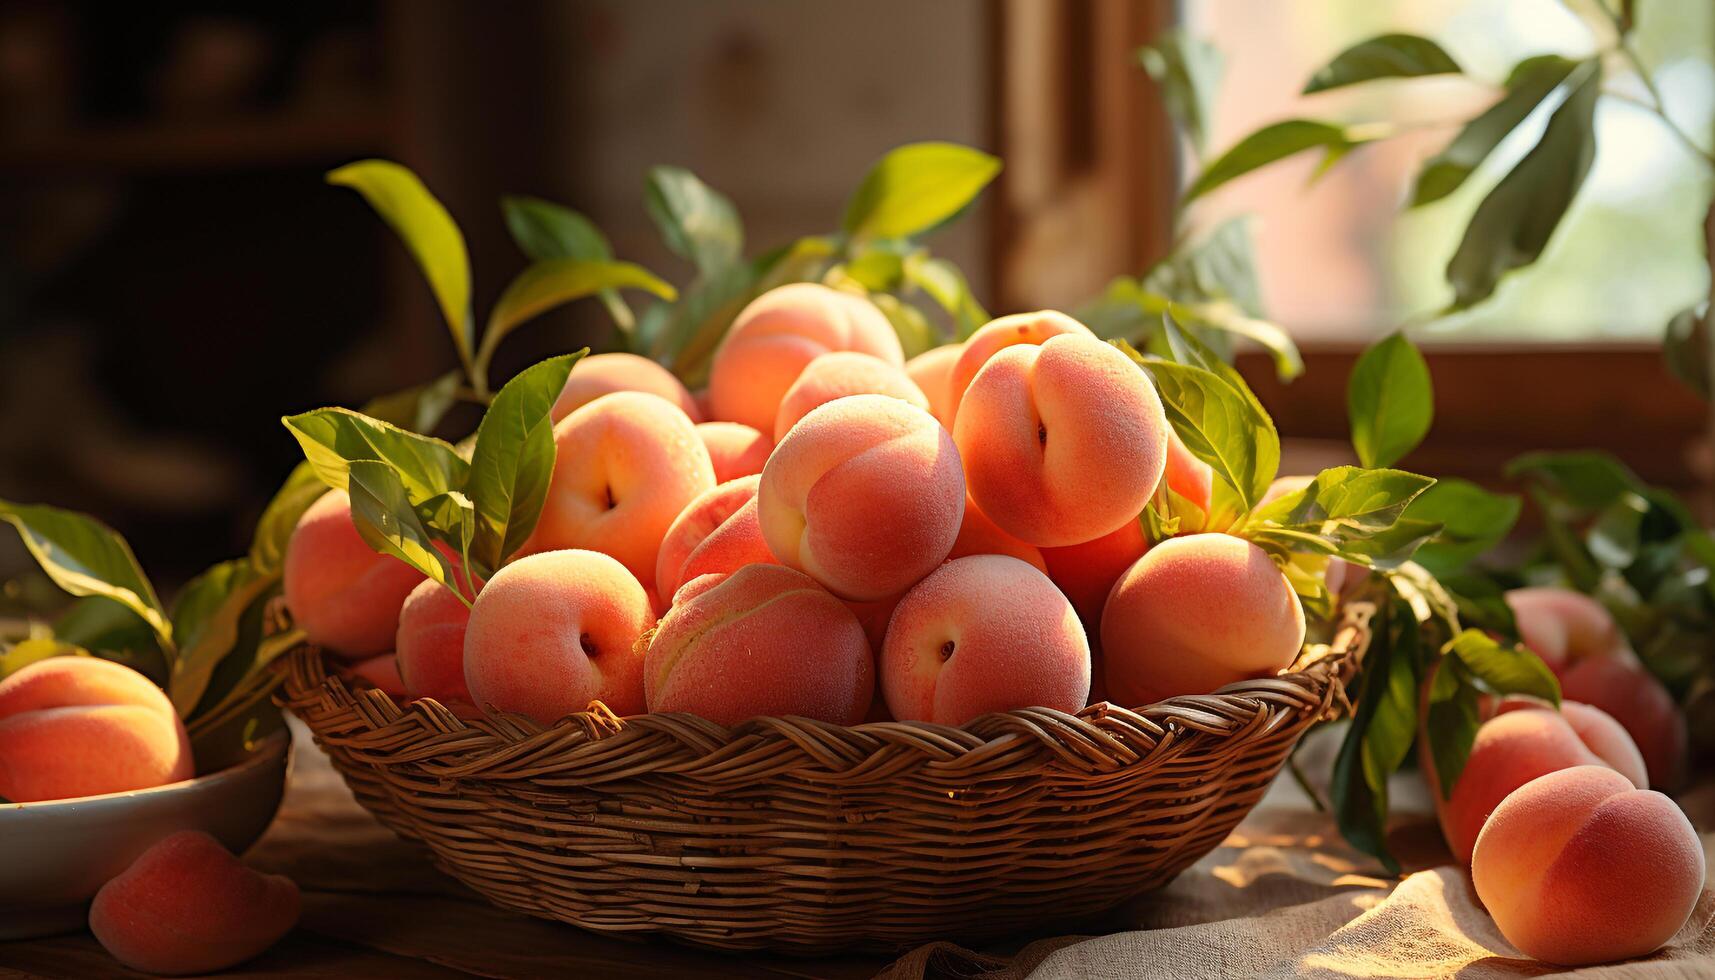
(1318, 676)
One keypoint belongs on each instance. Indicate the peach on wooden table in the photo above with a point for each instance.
(998, 334)
(865, 495)
(837, 375)
(1580, 866)
(82, 726)
(717, 532)
(980, 634)
(188, 906)
(780, 332)
(932, 372)
(1196, 613)
(764, 640)
(604, 374)
(552, 632)
(1518, 745)
(735, 449)
(625, 465)
(1062, 442)
(343, 594)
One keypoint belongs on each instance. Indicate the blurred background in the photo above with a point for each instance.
(175, 276)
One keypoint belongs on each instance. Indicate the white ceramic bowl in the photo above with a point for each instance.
(55, 855)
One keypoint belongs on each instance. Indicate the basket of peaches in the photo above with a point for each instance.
(842, 648)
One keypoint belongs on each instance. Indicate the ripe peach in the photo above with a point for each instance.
(764, 640)
(865, 495)
(980, 536)
(1578, 639)
(1578, 866)
(342, 594)
(981, 634)
(1515, 747)
(430, 645)
(554, 631)
(874, 616)
(1195, 613)
(1186, 475)
(1086, 572)
(188, 906)
(382, 673)
(1061, 443)
(932, 372)
(604, 374)
(1620, 686)
(779, 333)
(735, 450)
(1008, 331)
(718, 532)
(837, 375)
(82, 726)
(626, 465)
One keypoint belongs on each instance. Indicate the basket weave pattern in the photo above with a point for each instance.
(792, 834)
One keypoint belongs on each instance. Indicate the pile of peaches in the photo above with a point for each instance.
(832, 532)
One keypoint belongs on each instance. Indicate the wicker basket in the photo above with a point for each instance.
(794, 835)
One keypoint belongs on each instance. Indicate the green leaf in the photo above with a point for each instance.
(1271, 143)
(419, 408)
(1360, 800)
(1383, 56)
(915, 188)
(514, 459)
(1685, 347)
(34, 650)
(1219, 425)
(1585, 479)
(1472, 521)
(1188, 71)
(555, 282)
(1219, 266)
(1389, 400)
(1530, 83)
(1503, 668)
(545, 230)
(1355, 513)
(87, 558)
(1614, 537)
(386, 518)
(1393, 725)
(1186, 348)
(205, 621)
(697, 222)
(105, 626)
(427, 230)
(947, 286)
(335, 438)
(1514, 222)
(916, 334)
(302, 488)
(1452, 726)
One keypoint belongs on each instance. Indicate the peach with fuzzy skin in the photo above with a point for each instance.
(1515, 747)
(764, 640)
(552, 632)
(1560, 625)
(735, 450)
(342, 594)
(932, 372)
(981, 634)
(1196, 613)
(717, 532)
(82, 726)
(980, 536)
(625, 465)
(604, 374)
(382, 673)
(874, 616)
(838, 375)
(1579, 866)
(188, 906)
(1033, 329)
(1061, 443)
(1622, 687)
(430, 644)
(1186, 475)
(778, 334)
(865, 495)
(1086, 572)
